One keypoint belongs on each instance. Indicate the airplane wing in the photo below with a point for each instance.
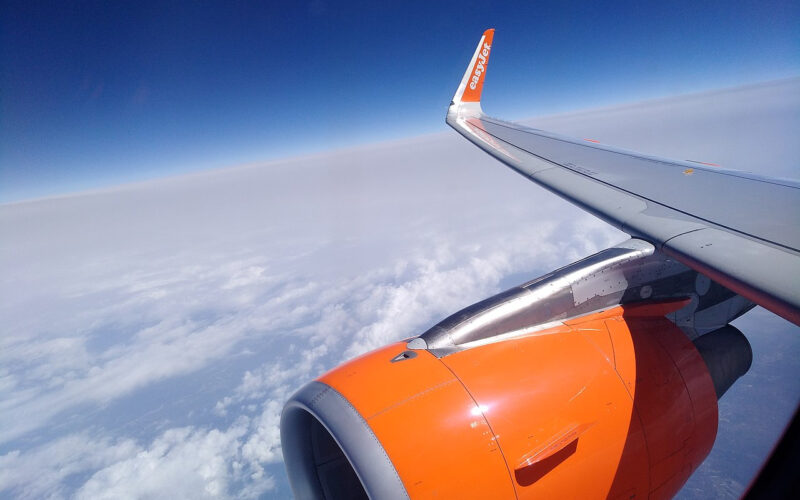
(739, 229)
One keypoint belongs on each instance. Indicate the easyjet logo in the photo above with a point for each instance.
(480, 67)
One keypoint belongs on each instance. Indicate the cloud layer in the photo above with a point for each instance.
(152, 332)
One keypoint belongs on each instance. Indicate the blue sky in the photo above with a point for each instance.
(99, 93)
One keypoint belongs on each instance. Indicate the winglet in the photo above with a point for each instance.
(472, 83)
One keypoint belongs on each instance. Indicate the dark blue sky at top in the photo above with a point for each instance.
(99, 93)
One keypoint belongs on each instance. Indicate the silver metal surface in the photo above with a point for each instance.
(632, 271)
(417, 343)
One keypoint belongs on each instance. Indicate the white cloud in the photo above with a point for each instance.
(338, 320)
(237, 287)
(181, 463)
(39, 473)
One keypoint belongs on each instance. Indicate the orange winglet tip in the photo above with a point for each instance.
(477, 70)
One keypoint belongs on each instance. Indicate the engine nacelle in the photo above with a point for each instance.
(613, 404)
(584, 383)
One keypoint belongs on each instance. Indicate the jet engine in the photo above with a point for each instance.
(580, 384)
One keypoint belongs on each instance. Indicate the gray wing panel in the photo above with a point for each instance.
(770, 274)
(740, 229)
(761, 208)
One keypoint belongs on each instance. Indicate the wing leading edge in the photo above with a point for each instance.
(741, 230)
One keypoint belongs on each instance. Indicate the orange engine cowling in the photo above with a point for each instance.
(617, 404)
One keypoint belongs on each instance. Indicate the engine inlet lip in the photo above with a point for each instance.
(352, 434)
